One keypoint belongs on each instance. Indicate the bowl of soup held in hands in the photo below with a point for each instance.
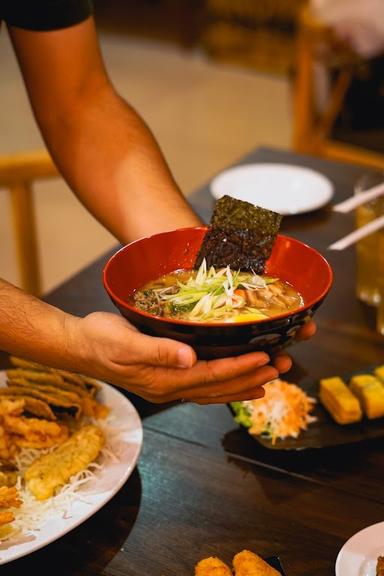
(180, 285)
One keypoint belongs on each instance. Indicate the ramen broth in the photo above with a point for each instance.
(222, 295)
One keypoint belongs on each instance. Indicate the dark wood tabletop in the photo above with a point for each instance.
(204, 487)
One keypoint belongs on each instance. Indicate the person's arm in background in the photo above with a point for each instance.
(102, 147)
(110, 159)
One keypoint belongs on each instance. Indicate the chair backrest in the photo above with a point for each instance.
(18, 172)
(317, 44)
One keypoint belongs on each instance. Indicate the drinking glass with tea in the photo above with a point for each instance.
(370, 250)
(367, 249)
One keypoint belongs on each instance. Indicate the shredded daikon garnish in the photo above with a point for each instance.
(283, 411)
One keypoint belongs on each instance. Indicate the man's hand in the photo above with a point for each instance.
(108, 347)
(164, 370)
(307, 331)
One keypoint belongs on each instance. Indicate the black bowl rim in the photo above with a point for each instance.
(124, 304)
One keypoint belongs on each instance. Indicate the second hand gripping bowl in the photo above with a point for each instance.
(224, 289)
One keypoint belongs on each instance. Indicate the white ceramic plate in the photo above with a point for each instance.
(358, 556)
(125, 436)
(279, 187)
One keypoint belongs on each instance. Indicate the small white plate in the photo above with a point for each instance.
(358, 556)
(279, 187)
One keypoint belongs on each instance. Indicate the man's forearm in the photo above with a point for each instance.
(113, 163)
(34, 329)
(103, 148)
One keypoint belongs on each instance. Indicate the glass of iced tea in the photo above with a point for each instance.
(369, 265)
(380, 306)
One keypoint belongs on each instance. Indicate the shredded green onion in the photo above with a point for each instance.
(210, 295)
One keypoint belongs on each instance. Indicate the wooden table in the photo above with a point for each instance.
(203, 486)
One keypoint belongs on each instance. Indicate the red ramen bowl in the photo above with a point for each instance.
(149, 258)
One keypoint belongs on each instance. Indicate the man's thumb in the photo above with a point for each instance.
(166, 352)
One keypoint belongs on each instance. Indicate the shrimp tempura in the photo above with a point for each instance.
(212, 567)
(247, 563)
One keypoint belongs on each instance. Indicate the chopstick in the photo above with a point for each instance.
(358, 234)
(361, 198)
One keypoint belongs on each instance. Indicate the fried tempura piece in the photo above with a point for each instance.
(8, 473)
(8, 406)
(52, 470)
(13, 406)
(380, 566)
(85, 382)
(27, 364)
(8, 477)
(34, 433)
(38, 408)
(34, 376)
(247, 563)
(94, 409)
(44, 388)
(57, 402)
(60, 384)
(212, 567)
(31, 405)
(56, 387)
(89, 384)
(7, 449)
(6, 517)
(9, 497)
(25, 426)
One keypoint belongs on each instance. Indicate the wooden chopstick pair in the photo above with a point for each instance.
(351, 204)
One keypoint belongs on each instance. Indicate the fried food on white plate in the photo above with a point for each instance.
(89, 384)
(247, 563)
(380, 566)
(34, 433)
(8, 477)
(53, 470)
(17, 431)
(14, 406)
(7, 447)
(212, 567)
(58, 389)
(9, 498)
(56, 402)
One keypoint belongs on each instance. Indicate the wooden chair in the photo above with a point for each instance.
(17, 174)
(316, 44)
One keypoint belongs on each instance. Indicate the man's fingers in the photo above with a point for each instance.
(210, 373)
(252, 394)
(306, 331)
(282, 363)
(163, 352)
(243, 387)
(156, 365)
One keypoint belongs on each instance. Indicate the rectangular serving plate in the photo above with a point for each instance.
(325, 432)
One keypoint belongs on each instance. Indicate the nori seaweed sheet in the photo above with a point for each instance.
(240, 235)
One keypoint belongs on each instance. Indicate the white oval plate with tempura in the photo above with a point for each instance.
(283, 188)
(358, 556)
(124, 437)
